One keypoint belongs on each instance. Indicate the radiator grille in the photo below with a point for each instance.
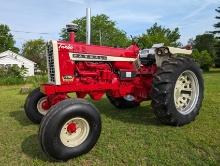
(50, 62)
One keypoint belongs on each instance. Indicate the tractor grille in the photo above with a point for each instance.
(50, 63)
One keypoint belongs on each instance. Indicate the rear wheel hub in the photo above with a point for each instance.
(186, 92)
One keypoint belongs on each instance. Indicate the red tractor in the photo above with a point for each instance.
(71, 127)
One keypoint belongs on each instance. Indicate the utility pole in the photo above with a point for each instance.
(100, 37)
(88, 26)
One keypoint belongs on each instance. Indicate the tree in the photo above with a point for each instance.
(35, 51)
(217, 33)
(104, 32)
(7, 41)
(159, 34)
(204, 42)
(217, 25)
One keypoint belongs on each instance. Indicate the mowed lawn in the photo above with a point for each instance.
(130, 137)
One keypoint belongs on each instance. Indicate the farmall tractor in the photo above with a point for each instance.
(71, 127)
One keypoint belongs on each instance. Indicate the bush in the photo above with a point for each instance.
(37, 80)
(11, 75)
(11, 81)
(203, 58)
(12, 71)
(15, 75)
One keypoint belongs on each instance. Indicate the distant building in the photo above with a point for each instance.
(9, 58)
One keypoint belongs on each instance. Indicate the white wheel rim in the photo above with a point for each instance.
(77, 137)
(186, 92)
(40, 108)
(129, 98)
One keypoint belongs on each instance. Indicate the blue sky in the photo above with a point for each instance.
(45, 18)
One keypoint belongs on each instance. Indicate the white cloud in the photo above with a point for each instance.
(148, 18)
(192, 17)
(197, 11)
(77, 1)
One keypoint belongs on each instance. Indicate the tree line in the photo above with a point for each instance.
(206, 47)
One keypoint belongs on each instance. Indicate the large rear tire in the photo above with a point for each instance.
(33, 106)
(71, 128)
(177, 91)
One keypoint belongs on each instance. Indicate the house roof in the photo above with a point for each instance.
(10, 57)
(12, 54)
(2, 57)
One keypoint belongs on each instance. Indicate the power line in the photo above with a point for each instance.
(31, 32)
(28, 32)
(6, 37)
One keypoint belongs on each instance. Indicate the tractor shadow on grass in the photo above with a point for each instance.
(140, 115)
(20, 116)
(31, 147)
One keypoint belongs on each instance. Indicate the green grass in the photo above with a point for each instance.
(131, 137)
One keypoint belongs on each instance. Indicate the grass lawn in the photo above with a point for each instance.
(130, 137)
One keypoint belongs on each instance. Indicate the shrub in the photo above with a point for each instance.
(11, 81)
(203, 58)
(14, 75)
(12, 71)
(11, 75)
(36, 80)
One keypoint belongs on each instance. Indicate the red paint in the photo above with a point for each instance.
(97, 78)
(72, 37)
(46, 105)
(71, 128)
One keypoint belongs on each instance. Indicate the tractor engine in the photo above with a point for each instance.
(95, 70)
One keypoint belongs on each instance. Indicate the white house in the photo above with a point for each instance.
(9, 58)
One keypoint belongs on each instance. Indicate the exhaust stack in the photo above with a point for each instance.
(88, 26)
(72, 29)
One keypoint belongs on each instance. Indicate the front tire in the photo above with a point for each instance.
(71, 128)
(33, 106)
(177, 91)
